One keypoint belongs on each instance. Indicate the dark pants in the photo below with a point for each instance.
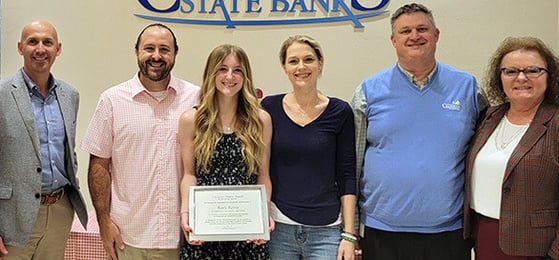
(384, 245)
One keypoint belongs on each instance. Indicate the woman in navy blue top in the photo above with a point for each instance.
(312, 163)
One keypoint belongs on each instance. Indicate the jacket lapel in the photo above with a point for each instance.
(487, 127)
(537, 129)
(65, 103)
(25, 109)
(68, 109)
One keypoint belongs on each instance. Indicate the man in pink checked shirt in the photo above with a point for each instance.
(135, 166)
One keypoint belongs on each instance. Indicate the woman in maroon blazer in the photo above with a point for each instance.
(512, 172)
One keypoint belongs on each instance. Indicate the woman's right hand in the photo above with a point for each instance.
(186, 229)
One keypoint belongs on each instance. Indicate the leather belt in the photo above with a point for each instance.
(48, 198)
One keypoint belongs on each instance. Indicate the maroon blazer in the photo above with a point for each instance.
(528, 224)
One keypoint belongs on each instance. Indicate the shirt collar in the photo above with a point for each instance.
(414, 81)
(33, 86)
(138, 88)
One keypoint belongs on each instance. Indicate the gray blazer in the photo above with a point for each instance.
(20, 159)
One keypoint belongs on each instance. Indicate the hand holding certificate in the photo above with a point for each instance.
(228, 213)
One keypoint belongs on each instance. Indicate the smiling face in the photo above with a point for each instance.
(520, 88)
(156, 54)
(414, 36)
(229, 77)
(39, 47)
(302, 65)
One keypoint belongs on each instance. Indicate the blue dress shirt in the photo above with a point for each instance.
(50, 127)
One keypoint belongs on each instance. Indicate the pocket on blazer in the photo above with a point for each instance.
(544, 218)
(5, 193)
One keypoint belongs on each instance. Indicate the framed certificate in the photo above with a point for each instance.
(228, 213)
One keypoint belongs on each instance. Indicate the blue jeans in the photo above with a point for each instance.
(295, 242)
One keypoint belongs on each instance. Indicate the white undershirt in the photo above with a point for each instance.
(158, 94)
(489, 169)
(278, 216)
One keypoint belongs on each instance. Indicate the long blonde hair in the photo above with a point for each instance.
(249, 128)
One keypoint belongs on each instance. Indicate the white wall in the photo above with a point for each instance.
(98, 38)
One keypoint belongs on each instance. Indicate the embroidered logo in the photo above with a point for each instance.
(455, 105)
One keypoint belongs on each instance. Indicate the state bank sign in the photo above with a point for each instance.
(231, 13)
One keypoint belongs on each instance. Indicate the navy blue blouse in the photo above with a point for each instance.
(312, 166)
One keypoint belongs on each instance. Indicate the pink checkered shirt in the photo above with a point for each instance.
(139, 133)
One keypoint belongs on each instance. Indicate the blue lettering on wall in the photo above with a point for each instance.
(357, 5)
(333, 10)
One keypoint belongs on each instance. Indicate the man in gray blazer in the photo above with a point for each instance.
(39, 190)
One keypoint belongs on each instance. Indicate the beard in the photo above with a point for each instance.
(160, 75)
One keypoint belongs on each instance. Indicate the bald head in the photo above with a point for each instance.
(39, 26)
(39, 47)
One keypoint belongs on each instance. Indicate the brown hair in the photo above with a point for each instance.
(493, 83)
(410, 9)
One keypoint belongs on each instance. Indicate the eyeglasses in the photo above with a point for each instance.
(529, 72)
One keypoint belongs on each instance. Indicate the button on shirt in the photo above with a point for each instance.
(138, 131)
(50, 127)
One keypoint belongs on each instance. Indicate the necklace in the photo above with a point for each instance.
(302, 113)
(310, 105)
(229, 128)
(503, 137)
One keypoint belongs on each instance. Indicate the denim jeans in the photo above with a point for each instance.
(294, 242)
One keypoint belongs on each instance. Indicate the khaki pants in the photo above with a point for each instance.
(49, 234)
(133, 253)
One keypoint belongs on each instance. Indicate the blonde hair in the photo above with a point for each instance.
(304, 39)
(249, 128)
